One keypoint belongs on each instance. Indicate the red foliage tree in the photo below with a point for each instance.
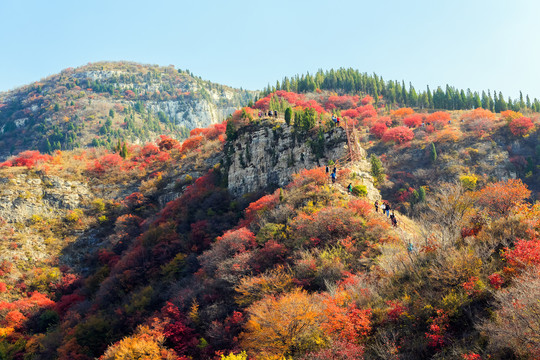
(398, 134)
(211, 133)
(379, 129)
(30, 158)
(524, 254)
(414, 120)
(367, 100)
(352, 113)
(521, 126)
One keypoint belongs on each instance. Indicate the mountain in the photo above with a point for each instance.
(238, 242)
(102, 103)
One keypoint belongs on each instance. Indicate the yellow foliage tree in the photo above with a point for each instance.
(283, 326)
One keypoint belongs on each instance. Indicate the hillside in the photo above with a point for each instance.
(99, 104)
(236, 244)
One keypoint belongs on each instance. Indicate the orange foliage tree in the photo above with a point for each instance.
(401, 113)
(500, 197)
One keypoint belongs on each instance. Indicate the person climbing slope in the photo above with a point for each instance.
(349, 188)
(376, 206)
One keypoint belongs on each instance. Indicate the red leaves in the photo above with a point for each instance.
(379, 129)
(27, 158)
(437, 330)
(398, 134)
(192, 143)
(525, 253)
(413, 121)
(267, 202)
(521, 126)
(496, 281)
(211, 133)
(107, 163)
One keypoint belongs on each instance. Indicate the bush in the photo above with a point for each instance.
(398, 134)
(359, 190)
(521, 126)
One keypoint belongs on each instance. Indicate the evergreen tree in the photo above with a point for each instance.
(288, 114)
(377, 170)
(430, 98)
(477, 103)
(123, 151)
(433, 153)
(230, 131)
(413, 97)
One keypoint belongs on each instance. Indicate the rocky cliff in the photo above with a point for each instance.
(265, 156)
(26, 195)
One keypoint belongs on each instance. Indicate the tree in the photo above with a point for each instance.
(280, 326)
(521, 126)
(377, 170)
(500, 197)
(288, 115)
(446, 211)
(230, 131)
(433, 153)
(516, 322)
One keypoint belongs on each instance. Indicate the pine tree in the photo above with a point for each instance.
(123, 151)
(433, 153)
(377, 170)
(288, 115)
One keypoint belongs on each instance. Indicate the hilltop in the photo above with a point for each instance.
(236, 244)
(102, 103)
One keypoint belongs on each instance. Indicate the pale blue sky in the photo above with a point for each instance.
(468, 44)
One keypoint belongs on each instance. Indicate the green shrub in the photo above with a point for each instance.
(359, 190)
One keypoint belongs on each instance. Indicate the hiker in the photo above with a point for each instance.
(410, 248)
(334, 119)
(388, 208)
(383, 207)
(275, 114)
(335, 169)
(333, 178)
(393, 219)
(327, 170)
(349, 188)
(337, 122)
(376, 206)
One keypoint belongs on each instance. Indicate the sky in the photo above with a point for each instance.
(476, 44)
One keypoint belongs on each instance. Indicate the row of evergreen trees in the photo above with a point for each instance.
(395, 92)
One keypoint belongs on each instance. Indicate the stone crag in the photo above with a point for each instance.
(265, 156)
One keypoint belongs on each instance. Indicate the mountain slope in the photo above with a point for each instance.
(99, 104)
(167, 254)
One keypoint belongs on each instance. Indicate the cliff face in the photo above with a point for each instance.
(266, 156)
(25, 195)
